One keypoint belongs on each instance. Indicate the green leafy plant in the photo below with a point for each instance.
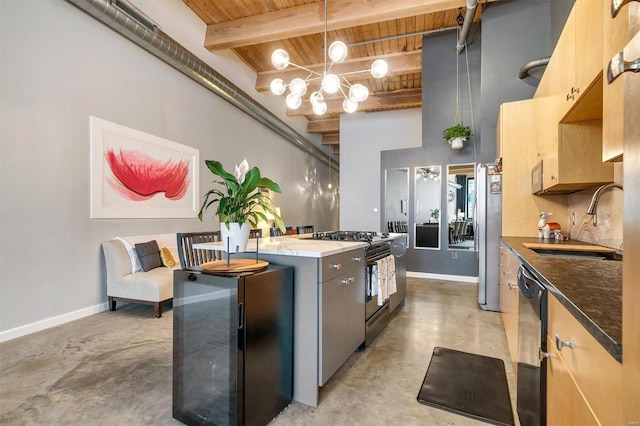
(457, 131)
(242, 196)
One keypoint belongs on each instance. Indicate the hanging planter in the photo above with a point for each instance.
(456, 135)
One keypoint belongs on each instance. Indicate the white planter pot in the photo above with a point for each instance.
(238, 235)
(457, 143)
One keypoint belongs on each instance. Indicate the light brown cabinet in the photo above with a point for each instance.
(592, 370)
(519, 208)
(571, 153)
(576, 63)
(619, 32)
(509, 291)
(565, 403)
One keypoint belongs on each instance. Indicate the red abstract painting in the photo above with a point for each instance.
(138, 177)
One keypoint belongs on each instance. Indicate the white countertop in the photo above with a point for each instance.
(292, 246)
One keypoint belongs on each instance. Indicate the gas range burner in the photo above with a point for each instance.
(349, 236)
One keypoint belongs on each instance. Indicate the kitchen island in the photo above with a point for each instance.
(329, 303)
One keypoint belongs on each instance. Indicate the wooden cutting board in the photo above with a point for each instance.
(235, 266)
(568, 247)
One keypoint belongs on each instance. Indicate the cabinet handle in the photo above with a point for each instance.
(562, 343)
(575, 90)
(543, 355)
(336, 266)
(347, 281)
(617, 65)
(511, 285)
(357, 259)
(553, 177)
(570, 96)
(616, 5)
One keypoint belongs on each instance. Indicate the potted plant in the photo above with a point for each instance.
(241, 203)
(456, 135)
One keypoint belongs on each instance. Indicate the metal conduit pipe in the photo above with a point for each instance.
(146, 35)
(524, 70)
(466, 27)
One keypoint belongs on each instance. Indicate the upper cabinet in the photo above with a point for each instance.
(576, 64)
(619, 31)
(571, 153)
(567, 109)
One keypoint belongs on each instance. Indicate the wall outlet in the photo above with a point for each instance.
(454, 254)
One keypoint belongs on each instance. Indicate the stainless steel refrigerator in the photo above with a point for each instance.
(488, 232)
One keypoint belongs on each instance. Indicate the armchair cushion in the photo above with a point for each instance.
(149, 255)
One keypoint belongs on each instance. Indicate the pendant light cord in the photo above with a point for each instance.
(473, 130)
(457, 117)
(325, 37)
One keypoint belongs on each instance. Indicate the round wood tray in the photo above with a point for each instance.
(235, 266)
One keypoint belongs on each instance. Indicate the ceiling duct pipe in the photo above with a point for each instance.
(524, 71)
(129, 22)
(466, 26)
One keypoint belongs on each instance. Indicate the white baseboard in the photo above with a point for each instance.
(460, 278)
(51, 322)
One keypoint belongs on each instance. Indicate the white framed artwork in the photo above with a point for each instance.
(138, 175)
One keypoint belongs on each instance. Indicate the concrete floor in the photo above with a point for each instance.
(114, 368)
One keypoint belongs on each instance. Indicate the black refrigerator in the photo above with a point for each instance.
(232, 346)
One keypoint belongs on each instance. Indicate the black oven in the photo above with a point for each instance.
(377, 312)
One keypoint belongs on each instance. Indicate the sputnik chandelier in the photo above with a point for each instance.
(330, 83)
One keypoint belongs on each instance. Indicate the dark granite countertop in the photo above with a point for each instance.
(590, 289)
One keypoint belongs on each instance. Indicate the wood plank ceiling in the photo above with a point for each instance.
(372, 29)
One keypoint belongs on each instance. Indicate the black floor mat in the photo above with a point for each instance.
(471, 385)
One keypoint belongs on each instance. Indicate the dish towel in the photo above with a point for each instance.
(391, 275)
(382, 281)
(374, 282)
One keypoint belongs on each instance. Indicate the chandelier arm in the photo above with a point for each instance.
(305, 69)
(354, 72)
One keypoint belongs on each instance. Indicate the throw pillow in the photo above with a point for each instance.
(131, 251)
(149, 255)
(167, 258)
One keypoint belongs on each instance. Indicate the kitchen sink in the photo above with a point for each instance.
(584, 255)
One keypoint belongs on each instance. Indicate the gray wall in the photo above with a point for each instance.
(438, 112)
(513, 33)
(362, 138)
(59, 66)
(527, 26)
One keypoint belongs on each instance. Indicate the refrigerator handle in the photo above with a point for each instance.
(241, 326)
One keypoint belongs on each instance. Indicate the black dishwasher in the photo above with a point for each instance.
(532, 345)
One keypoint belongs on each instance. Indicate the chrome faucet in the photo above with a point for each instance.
(593, 207)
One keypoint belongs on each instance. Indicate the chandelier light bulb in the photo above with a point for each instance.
(358, 92)
(316, 97)
(280, 59)
(331, 83)
(298, 87)
(293, 101)
(277, 86)
(320, 108)
(349, 105)
(338, 51)
(379, 68)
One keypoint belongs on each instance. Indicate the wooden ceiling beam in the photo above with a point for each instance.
(309, 19)
(399, 64)
(408, 98)
(331, 139)
(328, 126)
